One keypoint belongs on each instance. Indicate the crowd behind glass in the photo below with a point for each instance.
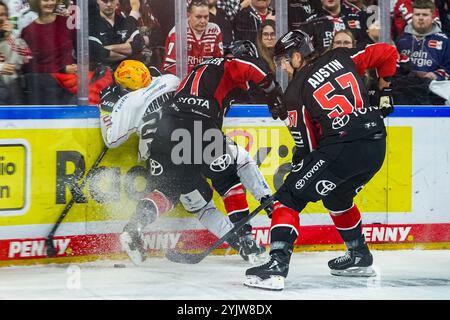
(38, 40)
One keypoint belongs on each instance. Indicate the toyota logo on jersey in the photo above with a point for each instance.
(156, 168)
(324, 187)
(300, 184)
(340, 122)
(221, 163)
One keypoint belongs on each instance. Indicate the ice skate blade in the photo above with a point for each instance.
(134, 255)
(355, 272)
(274, 283)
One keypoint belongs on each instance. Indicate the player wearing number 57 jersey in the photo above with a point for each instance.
(340, 145)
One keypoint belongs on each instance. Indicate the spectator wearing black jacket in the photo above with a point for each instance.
(331, 18)
(219, 17)
(298, 12)
(113, 37)
(249, 20)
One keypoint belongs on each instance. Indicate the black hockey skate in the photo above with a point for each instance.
(132, 242)
(357, 262)
(271, 275)
(247, 248)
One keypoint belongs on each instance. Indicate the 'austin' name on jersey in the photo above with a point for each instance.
(323, 73)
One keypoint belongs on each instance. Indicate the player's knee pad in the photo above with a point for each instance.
(235, 202)
(250, 175)
(285, 224)
(198, 199)
(214, 220)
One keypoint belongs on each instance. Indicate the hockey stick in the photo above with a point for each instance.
(51, 250)
(193, 258)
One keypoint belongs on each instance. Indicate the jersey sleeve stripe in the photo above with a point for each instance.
(308, 129)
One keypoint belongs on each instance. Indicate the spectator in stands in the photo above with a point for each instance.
(232, 7)
(113, 37)
(333, 17)
(150, 29)
(248, 20)
(204, 39)
(52, 43)
(402, 15)
(266, 41)
(345, 39)
(14, 53)
(298, 12)
(50, 40)
(164, 12)
(425, 44)
(219, 17)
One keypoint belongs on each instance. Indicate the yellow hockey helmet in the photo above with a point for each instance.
(132, 75)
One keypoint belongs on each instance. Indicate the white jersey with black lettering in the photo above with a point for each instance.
(137, 111)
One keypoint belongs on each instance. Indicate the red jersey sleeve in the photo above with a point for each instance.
(170, 58)
(242, 72)
(379, 56)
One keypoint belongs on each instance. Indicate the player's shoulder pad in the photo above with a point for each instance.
(170, 80)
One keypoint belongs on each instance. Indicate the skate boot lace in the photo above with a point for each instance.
(347, 256)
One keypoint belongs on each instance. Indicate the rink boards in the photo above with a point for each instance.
(45, 152)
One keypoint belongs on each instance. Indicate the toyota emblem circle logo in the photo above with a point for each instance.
(324, 187)
(156, 168)
(340, 122)
(221, 163)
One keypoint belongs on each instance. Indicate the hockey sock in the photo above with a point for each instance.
(285, 225)
(348, 223)
(236, 203)
(149, 209)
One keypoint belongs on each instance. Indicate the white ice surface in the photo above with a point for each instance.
(401, 275)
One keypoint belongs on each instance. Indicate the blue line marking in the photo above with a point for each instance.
(237, 111)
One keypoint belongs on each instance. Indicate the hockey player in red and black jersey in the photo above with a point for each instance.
(189, 144)
(133, 104)
(340, 146)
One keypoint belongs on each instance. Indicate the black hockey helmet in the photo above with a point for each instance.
(295, 40)
(242, 48)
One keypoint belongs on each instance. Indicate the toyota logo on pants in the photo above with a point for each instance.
(221, 163)
(324, 187)
(156, 168)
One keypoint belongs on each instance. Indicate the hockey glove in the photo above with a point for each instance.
(269, 209)
(386, 105)
(275, 103)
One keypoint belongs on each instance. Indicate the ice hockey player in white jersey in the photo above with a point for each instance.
(133, 105)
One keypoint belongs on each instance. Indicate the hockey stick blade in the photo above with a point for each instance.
(51, 250)
(194, 258)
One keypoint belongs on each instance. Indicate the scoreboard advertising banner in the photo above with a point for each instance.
(45, 156)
